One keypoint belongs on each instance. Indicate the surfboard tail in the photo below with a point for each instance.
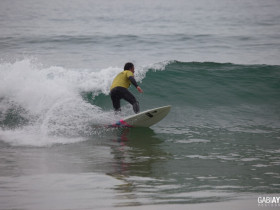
(121, 123)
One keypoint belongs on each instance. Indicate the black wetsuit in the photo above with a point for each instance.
(118, 93)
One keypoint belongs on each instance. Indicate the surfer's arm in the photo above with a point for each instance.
(133, 81)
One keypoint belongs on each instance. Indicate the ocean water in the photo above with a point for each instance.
(216, 62)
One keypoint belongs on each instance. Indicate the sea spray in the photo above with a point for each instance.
(39, 104)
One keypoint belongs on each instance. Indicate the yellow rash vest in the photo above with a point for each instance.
(122, 79)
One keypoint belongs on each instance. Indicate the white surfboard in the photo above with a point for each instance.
(146, 118)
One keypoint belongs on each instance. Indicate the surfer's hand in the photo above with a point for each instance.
(139, 89)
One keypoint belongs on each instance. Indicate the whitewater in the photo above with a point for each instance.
(37, 102)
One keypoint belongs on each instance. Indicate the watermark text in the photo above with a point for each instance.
(269, 201)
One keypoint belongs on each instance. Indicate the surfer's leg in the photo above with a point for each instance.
(115, 97)
(132, 100)
(136, 108)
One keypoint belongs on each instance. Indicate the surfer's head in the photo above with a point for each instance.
(129, 66)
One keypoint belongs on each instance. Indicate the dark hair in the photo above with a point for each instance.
(128, 66)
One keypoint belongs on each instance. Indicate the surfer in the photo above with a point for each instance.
(119, 88)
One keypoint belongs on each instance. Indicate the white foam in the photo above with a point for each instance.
(50, 100)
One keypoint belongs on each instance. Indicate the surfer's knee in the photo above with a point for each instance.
(136, 108)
